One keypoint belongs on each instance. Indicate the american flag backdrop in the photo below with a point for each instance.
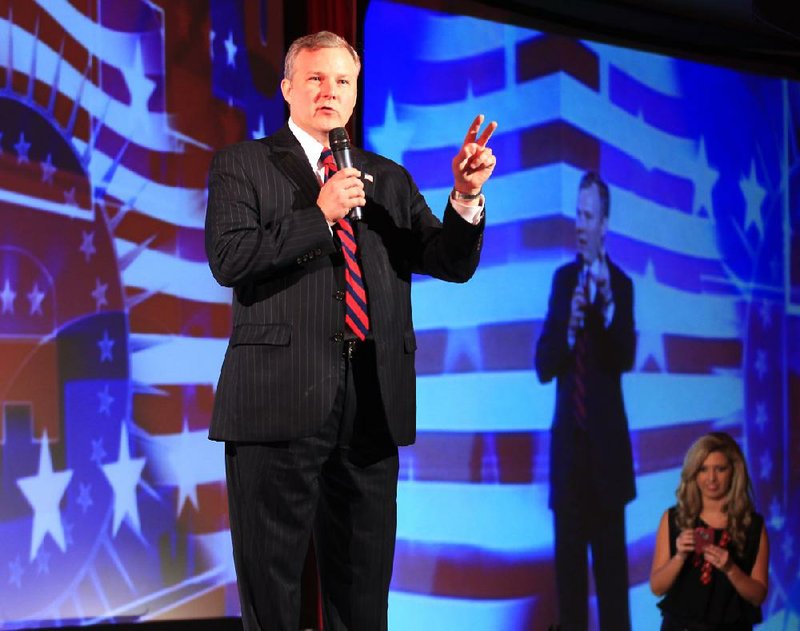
(112, 331)
(704, 171)
(112, 502)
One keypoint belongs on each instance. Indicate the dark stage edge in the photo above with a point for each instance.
(209, 624)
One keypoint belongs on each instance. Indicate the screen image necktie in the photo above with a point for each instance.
(356, 313)
(579, 393)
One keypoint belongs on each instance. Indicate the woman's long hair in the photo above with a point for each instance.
(738, 504)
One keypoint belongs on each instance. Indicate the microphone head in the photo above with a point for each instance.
(338, 139)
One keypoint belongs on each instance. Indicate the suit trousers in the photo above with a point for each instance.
(581, 522)
(340, 484)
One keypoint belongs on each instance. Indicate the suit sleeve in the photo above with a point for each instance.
(619, 339)
(449, 250)
(251, 231)
(552, 350)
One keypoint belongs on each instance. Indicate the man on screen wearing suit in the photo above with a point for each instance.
(317, 388)
(588, 340)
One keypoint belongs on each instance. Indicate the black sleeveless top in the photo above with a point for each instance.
(715, 604)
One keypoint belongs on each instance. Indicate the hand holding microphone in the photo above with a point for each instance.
(579, 302)
(343, 193)
(340, 147)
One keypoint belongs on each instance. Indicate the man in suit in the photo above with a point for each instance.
(587, 342)
(317, 388)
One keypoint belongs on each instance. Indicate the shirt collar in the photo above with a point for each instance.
(311, 146)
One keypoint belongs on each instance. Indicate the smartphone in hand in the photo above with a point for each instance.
(702, 538)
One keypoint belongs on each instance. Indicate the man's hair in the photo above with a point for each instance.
(738, 504)
(592, 177)
(315, 41)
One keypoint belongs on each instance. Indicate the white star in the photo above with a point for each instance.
(48, 169)
(704, 182)
(761, 363)
(754, 195)
(8, 296)
(105, 401)
(44, 492)
(187, 460)
(141, 89)
(22, 148)
(231, 48)
(15, 572)
(123, 476)
(105, 345)
(85, 497)
(98, 453)
(260, 132)
(99, 293)
(35, 297)
(87, 247)
(766, 465)
(393, 137)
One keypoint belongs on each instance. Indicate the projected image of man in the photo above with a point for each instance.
(588, 340)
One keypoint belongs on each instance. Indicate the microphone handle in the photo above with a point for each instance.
(343, 161)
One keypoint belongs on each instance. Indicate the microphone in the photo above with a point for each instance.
(340, 147)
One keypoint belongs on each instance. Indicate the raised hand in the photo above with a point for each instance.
(474, 162)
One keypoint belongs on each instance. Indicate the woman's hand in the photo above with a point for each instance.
(720, 558)
(684, 544)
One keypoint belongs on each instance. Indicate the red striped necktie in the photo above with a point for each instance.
(356, 311)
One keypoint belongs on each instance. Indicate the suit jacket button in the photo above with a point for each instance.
(339, 295)
(318, 251)
(337, 337)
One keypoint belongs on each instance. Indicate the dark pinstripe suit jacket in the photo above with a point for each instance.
(609, 352)
(267, 238)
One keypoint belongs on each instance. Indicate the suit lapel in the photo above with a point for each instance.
(289, 159)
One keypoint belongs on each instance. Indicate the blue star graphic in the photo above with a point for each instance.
(87, 246)
(761, 415)
(36, 296)
(776, 517)
(22, 148)
(15, 572)
(48, 169)
(85, 497)
(98, 453)
(99, 293)
(231, 49)
(43, 562)
(761, 363)
(106, 345)
(8, 296)
(766, 465)
(105, 401)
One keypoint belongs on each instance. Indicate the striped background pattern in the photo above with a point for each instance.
(696, 158)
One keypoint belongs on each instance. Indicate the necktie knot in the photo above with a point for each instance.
(327, 161)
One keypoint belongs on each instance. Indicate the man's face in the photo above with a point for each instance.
(322, 91)
(590, 224)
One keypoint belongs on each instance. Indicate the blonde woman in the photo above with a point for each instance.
(712, 554)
